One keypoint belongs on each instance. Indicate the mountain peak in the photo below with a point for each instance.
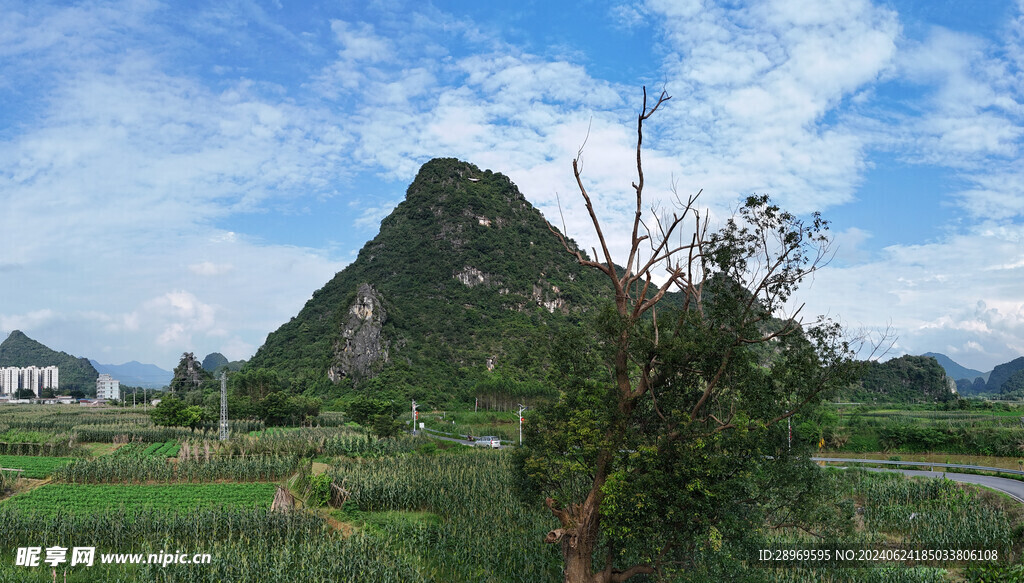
(953, 369)
(464, 270)
(75, 373)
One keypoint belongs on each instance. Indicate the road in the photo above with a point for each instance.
(437, 435)
(1010, 487)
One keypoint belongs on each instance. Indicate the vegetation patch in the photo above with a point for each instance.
(84, 498)
(34, 466)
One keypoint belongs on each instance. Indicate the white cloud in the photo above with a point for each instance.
(371, 216)
(210, 268)
(140, 157)
(360, 42)
(963, 288)
(27, 321)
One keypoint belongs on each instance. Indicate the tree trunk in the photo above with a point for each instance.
(580, 528)
(579, 561)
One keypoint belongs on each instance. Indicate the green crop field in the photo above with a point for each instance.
(84, 498)
(34, 466)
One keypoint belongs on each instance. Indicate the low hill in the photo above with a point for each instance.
(76, 374)
(907, 379)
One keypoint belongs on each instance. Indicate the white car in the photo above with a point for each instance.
(487, 441)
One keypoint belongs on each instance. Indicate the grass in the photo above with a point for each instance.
(98, 449)
(380, 521)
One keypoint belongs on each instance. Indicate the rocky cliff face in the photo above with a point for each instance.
(360, 348)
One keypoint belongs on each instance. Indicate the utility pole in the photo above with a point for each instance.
(521, 409)
(223, 406)
(415, 416)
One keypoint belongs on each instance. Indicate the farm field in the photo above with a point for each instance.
(50, 499)
(34, 466)
(410, 509)
(984, 430)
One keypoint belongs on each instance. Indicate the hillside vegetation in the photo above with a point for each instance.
(76, 374)
(463, 276)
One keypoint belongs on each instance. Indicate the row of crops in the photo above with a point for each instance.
(52, 499)
(34, 466)
(128, 470)
(247, 545)
(65, 418)
(303, 442)
(163, 449)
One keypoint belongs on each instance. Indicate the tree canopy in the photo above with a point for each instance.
(668, 436)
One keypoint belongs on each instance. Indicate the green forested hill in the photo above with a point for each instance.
(75, 373)
(1003, 373)
(463, 271)
(907, 379)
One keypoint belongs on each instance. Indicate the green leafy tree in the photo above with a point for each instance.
(174, 412)
(668, 439)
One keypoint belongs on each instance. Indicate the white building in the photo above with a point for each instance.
(9, 380)
(34, 378)
(108, 387)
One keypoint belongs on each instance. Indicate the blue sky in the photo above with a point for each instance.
(182, 176)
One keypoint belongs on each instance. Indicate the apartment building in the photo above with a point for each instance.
(34, 378)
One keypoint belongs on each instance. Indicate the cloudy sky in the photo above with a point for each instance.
(183, 175)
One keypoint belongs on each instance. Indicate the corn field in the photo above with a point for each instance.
(316, 441)
(136, 470)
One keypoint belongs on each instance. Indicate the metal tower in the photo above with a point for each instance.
(223, 406)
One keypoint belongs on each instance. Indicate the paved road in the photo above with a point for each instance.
(436, 435)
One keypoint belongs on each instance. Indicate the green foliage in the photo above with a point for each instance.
(1001, 374)
(319, 490)
(213, 361)
(52, 499)
(363, 409)
(189, 375)
(665, 444)
(1014, 385)
(125, 469)
(173, 412)
(261, 394)
(34, 466)
(907, 379)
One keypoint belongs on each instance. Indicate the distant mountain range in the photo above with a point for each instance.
(1003, 379)
(956, 371)
(136, 374)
